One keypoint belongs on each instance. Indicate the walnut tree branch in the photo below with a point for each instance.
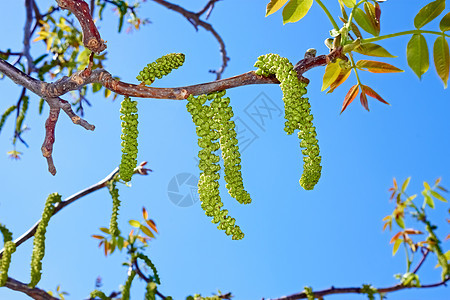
(34, 293)
(194, 19)
(357, 290)
(99, 185)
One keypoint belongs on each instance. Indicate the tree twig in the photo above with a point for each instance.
(34, 293)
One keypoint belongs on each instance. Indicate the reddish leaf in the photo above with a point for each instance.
(152, 225)
(395, 237)
(373, 94)
(377, 66)
(351, 95)
(395, 184)
(144, 213)
(98, 237)
(413, 231)
(377, 12)
(363, 99)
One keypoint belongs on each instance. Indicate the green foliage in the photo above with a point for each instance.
(369, 290)
(114, 192)
(309, 293)
(129, 136)
(297, 112)
(39, 239)
(161, 67)
(213, 123)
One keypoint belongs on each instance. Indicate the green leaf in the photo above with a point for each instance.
(428, 200)
(428, 13)
(371, 49)
(146, 231)
(349, 3)
(364, 21)
(442, 58)
(376, 66)
(417, 54)
(397, 244)
(332, 71)
(369, 8)
(295, 10)
(400, 222)
(135, 223)
(107, 93)
(444, 25)
(426, 186)
(405, 184)
(438, 196)
(274, 5)
(105, 230)
(39, 59)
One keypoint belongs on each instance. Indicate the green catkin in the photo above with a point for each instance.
(229, 147)
(208, 185)
(41, 105)
(39, 239)
(297, 113)
(127, 286)
(129, 136)
(150, 291)
(161, 67)
(6, 115)
(22, 114)
(150, 264)
(98, 294)
(9, 248)
(114, 192)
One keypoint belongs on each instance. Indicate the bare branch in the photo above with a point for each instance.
(357, 290)
(91, 36)
(141, 170)
(34, 293)
(194, 19)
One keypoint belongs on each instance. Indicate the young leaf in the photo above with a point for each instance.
(364, 21)
(363, 99)
(369, 8)
(332, 71)
(295, 10)
(146, 231)
(400, 221)
(417, 54)
(428, 200)
(370, 92)
(396, 246)
(135, 223)
(377, 67)
(152, 225)
(344, 13)
(442, 58)
(351, 95)
(274, 5)
(438, 196)
(371, 49)
(428, 13)
(349, 3)
(342, 77)
(144, 213)
(444, 25)
(396, 237)
(405, 184)
(426, 186)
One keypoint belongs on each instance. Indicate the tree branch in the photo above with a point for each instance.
(356, 290)
(58, 207)
(34, 293)
(194, 19)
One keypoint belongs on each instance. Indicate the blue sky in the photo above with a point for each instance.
(294, 238)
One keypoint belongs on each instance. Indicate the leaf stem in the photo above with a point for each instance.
(355, 69)
(415, 31)
(327, 12)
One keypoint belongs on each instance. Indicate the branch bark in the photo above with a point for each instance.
(34, 293)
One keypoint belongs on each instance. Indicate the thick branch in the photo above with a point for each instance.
(357, 290)
(91, 36)
(34, 293)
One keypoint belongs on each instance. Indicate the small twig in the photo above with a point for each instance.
(194, 19)
(425, 254)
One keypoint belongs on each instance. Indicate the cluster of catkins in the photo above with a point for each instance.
(297, 112)
(216, 130)
(129, 136)
(161, 67)
(10, 248)
(39, 239)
